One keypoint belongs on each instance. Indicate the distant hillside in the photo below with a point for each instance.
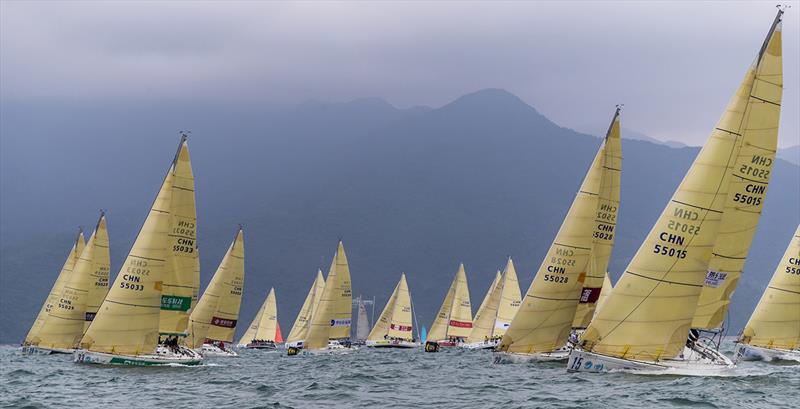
(631, 134)
(409, 190)
(790, 154)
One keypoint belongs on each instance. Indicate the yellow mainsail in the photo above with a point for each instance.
(483, 324)
(748, 187)
(331, 319)
(455, 315)
(64, 325)
(395, 320)
(127, 321)
(55, 292)
(303, 320)
(265, 324)
(510, 300)
(182, 267)
(216, 314)
(604, 227)
(544, 320)
(649, 312)
(775, 322)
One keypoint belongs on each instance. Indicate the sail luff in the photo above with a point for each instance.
(775, 322)
(747, 189)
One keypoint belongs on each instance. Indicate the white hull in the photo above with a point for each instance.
(520, 358)
(37, 350)
(295, 344)
(163, 356)
(691, 363)
(385, 343)
(333, 348)
(746, 352)
(215, 351)
(480, 345)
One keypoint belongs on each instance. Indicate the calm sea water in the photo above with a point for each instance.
(369, 378)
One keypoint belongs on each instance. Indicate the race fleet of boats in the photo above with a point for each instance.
(665, 313)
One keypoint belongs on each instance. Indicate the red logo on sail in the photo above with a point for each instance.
(400, 327)
(223, 322)
(460, 324)
(590, 294)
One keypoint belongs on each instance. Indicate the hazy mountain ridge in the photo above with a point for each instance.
(414, 190)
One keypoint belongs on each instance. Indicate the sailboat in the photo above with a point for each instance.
(362, 323)
(125, 330)
(394, 328)
(303, 321)
(329, 331)
(63, 324)
(645, 323)
(32, 339)
(542, 326)
(773, 331)
(212, 322)
(498, 309)
(453, 323)
(263, 331)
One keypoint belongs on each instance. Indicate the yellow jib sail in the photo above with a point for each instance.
(55, 292)
(303, 320)
(64, 325)
(649, 312)
(604, 228)
(510, 300)
(483, 324)
(395, 320)
(265, 324)
(747, 189)
(331, 319)
(182, 269)
(216, 314)
(455, 315)
(607, 287)
(775, 322)
(250, 333)
(127, 321)
(101, 260)
(544, 320)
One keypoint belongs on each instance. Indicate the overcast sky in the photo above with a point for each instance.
(674, 64)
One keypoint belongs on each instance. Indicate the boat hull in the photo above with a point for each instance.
(520, 358)
(480, 345)
(212, 350)
(385, 343)
(689, 363)
(160, 358)
(262, 345)
(37, 350)
(746, 352)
